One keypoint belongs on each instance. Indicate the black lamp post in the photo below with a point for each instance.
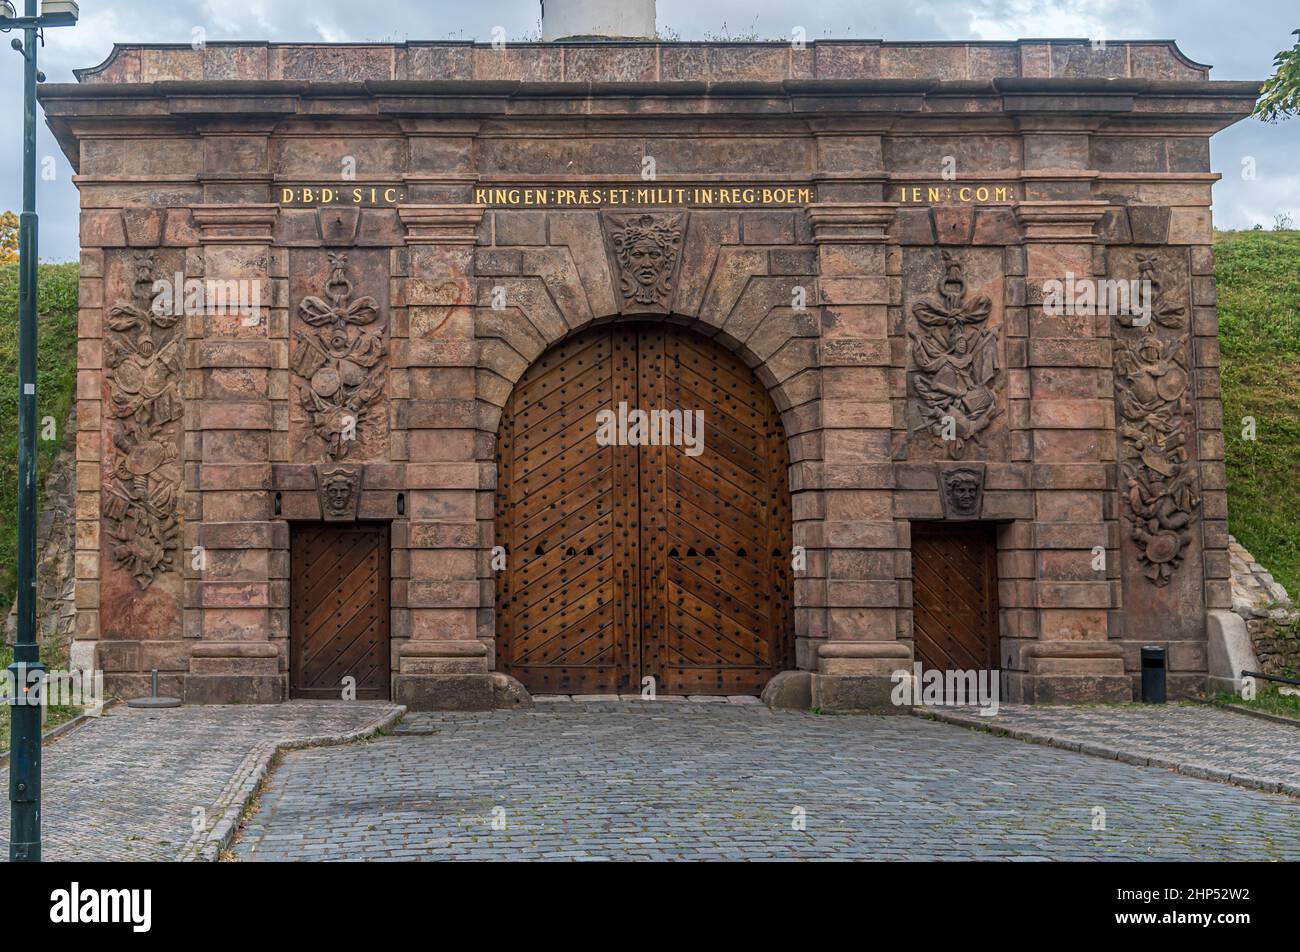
(27, 672)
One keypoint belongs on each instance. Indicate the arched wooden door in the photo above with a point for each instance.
(630, 558)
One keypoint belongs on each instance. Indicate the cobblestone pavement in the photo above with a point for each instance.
(125, 786)
(1194, 739)
(621, 780)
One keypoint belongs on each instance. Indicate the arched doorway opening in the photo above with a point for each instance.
(643, 502)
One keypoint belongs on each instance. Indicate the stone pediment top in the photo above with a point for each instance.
(646, 61)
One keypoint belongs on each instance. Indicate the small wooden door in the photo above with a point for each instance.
(339, 582)
(955, 596)
(628, 561)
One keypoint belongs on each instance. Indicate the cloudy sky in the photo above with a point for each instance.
(1238, 38)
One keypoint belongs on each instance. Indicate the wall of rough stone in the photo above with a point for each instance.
(1271, 617)
(56, 530)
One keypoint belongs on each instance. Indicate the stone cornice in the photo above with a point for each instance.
(1059, 221)
(250, 224)
(441, 224)
(851, 222)
(652, 60)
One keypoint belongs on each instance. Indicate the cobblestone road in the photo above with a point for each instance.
(1192, 738)
(125, 786)
(618, 780)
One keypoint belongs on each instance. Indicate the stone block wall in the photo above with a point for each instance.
(951, 184)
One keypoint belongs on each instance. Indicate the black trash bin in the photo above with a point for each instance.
(1153, 675)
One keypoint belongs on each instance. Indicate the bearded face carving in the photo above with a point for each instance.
(646, 249)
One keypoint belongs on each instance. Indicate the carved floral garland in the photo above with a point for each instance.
(337, 365)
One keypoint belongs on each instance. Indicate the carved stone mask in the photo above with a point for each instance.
(338, 492)
(645, 259)
(965, 493)
(962, 490)
(646, 248)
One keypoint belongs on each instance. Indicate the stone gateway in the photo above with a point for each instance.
(884, 275)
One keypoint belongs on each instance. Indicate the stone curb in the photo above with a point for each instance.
(206, 846)
(64, 729)
(1106, 752)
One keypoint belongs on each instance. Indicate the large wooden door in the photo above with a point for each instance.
(633, 561)
(338, 609)
(955, 596)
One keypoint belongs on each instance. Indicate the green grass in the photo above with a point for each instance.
(1259, 332)
(56, 382)
(1268, 701)
(55, 714)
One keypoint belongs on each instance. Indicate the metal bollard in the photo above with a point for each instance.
(1153, 675)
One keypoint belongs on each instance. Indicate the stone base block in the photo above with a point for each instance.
(855, 694)
(1072, 672)
(509, 693)
(789, 690)
(81, 655)
(127, 686)
(1178, 687)
(444, 692)
(234, 689)
(1230, 651)
(1075, 689)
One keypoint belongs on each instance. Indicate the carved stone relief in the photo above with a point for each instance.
(337, 487)
(338, 367)
(962, 488)
(1164, 310)
(142, 368)
(645, 250)
(957, 372)
(1158, 483)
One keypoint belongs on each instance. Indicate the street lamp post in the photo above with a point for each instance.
(27, 672)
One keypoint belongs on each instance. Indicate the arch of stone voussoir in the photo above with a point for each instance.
(740, 303)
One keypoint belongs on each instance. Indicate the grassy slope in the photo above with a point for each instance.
(56, 382)
(1259, 331)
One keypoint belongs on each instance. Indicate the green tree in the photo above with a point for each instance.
(1280, 96)
(8, 238)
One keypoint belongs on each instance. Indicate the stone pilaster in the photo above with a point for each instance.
(236, 579)
(445, 660)
(89, 394)
(857, 646)
(1064, 653)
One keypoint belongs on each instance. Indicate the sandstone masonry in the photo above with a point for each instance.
(950, 183)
